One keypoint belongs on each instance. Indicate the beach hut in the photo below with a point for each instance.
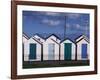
(32, 50)
(82, 48)
(67, 50)
(39, 38)
(24, 40)
(51, 48)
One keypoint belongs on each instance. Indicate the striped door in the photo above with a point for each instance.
(67, 51)
(32, 54)
(51, 51)
(84, 50)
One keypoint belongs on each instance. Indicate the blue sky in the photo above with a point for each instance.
(46, 23)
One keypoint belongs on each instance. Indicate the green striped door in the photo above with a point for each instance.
(67, 51)
(32, 51)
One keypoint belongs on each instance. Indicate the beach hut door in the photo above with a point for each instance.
(84, 50)
(51, 51)
(32, 54)
(67, 51)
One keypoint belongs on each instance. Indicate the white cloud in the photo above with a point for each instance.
(86, 28)
(52, 13)
(77, 26)
(73, 15)
(87, 21)
(51, 22)
(67, 25)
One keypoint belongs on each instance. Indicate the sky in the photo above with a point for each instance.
(64, 25)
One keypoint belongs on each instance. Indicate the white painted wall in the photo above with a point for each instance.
(79, 49)
(45, 49)
(54, 38)
(38, 38)
(24, 39)
(62, 49)
(27, 48)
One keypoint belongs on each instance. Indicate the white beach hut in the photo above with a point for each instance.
(82, 48)
(32, 50)
(51, 48)
(67, 50)
(39, 38)
(24, 40)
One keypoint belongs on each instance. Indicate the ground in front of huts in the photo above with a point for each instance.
(54, 63)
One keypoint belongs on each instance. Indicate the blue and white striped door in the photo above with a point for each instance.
(84, 50)
(51, 51)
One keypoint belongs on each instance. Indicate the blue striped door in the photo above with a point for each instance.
(32, 54)
(84, 50)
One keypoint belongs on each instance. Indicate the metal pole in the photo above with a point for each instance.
(65, 28)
